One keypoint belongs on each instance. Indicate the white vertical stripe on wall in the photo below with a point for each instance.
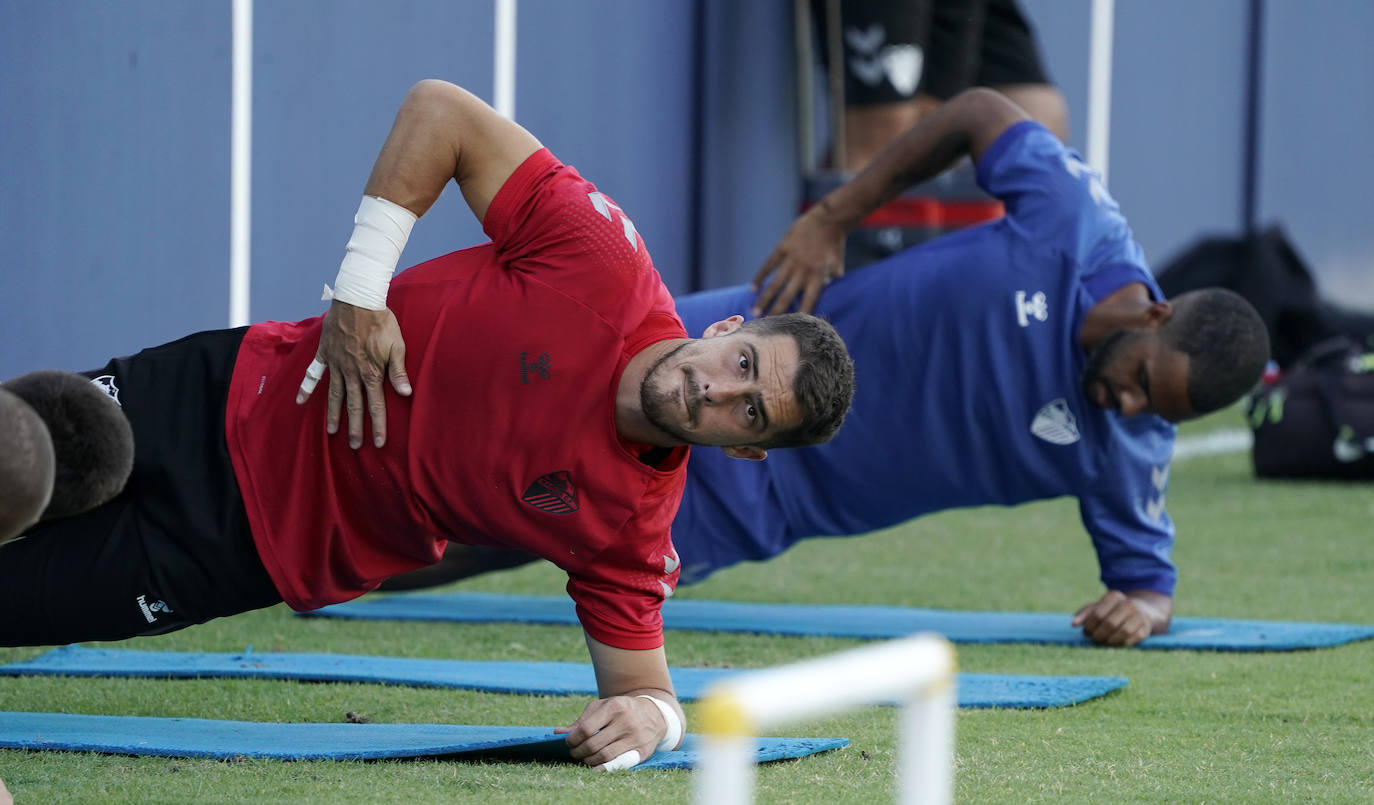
(241, 164)
(1100, 85)
(503, 91)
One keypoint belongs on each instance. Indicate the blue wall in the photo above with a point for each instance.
(114, 130)
(114, 126)
(1317, 163)
(1178, 117)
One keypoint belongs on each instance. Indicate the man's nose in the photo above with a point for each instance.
(719, 392)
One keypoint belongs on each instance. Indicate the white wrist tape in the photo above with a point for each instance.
(670, 716)
(380, 231)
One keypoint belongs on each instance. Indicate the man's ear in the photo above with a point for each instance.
(747, 452)
(723, 327)
(1158, 313)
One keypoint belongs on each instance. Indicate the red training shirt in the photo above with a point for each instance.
(514, 349)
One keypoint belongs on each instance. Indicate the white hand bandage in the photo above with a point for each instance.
(621, 762)
(380, 231)
(670, 717)
(312, 376)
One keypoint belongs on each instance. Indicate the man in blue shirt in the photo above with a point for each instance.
(1028, 358)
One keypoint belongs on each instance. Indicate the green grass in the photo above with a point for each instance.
(1191, 726)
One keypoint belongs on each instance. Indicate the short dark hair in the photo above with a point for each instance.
(26, 465)
(824, 383)
(1226, 343)
(91, 439)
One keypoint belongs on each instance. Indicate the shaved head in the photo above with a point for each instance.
(1225, 341)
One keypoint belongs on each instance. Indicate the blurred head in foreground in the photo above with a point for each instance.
(26, 465)
(91, 443)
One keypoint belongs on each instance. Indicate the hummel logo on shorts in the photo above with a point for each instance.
(148, 609)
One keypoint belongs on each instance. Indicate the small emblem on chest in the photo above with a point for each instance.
(1055, 423)
(539, 367)
(553, 493)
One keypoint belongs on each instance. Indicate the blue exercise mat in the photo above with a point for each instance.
(868, 622)
(537, 678)
(200, 737)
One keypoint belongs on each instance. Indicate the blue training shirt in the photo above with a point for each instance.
(968, 388)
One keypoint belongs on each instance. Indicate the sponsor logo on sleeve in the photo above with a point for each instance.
(1078, 170)
(1154, 507)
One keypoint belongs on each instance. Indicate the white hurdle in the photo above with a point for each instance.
(917, 670)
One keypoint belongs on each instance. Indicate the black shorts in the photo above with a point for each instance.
(961, 44)
(173, 549)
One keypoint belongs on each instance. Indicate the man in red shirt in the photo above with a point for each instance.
(555, 393)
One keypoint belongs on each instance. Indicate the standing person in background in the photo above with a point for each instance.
(903, 58)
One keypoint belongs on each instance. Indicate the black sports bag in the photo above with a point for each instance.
(1317, 419)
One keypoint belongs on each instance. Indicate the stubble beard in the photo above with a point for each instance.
(657, 405)
(1100, 357)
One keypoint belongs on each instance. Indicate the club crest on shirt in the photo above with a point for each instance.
(553, 493)
(1055, 423)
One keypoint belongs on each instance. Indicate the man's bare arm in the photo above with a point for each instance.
(623, 719)
(812, 252)
(442, 132)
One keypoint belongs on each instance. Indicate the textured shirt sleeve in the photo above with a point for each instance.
(619, 597)
(1124, 512)
(1054, 199)
(554, 225)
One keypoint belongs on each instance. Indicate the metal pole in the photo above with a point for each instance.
(925, 746)
(731, 761)
(917, 669)
(241, 164)
(1100, 86)
(503, 50)
(1254, 58)
(835, 53)
(806, 91)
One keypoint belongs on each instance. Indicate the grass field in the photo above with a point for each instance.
(1190, 727)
